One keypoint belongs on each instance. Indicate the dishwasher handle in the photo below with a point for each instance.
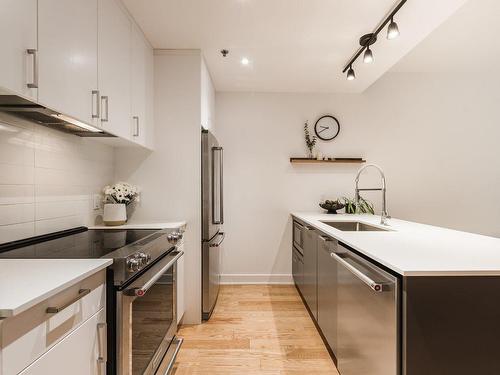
(374, 285)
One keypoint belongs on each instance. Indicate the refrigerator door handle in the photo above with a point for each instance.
(223, 235)
(217, 186)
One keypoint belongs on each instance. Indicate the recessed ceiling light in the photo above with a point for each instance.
(245, 61)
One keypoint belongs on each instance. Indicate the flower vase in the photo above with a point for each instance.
(115, 214)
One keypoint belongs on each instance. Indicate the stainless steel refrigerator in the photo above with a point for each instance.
(212, 213)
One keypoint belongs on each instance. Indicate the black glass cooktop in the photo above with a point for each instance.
(80, 243)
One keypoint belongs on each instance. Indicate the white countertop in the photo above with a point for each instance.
(26, 282)
(165, 225)
(413, 249)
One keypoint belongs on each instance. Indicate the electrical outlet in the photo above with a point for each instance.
(96, 201)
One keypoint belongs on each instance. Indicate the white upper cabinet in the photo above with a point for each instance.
(142, 89)
(115, 32)
(67, 37)
(18, 38)
(86, 59)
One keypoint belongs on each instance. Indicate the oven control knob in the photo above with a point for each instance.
(178, 234)
(143, 258)
(133, 264)
(173, 238)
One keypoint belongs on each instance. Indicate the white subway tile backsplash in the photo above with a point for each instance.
(11, 174)
(47, 179)
(16, 231)
(59, 193)
(52, 210)
(17, 213)
(17, 194)
(61, 223)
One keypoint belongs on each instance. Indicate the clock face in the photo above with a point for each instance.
(327, 128)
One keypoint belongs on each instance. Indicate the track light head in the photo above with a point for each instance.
(350, 74)
(368, 57)
(392, 30)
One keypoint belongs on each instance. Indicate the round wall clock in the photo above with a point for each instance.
(327, 128)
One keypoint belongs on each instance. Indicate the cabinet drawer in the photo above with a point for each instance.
(79, 353)
(27, 336)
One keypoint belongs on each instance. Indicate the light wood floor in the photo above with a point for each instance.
(255, 329)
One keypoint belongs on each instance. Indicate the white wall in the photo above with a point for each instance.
(170, 176)
(435, 136)
(47, 179)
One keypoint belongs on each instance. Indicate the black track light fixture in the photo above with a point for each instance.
(368, 39)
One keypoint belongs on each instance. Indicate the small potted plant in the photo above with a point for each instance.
(116, 199)
(363, 207)
(310, 142)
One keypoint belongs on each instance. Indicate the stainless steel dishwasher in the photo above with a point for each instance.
(367, 316)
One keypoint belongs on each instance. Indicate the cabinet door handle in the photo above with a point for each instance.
(136, 123)
(34, 83)
(96, 108)
(103, 347)
(81, 293)
(105, 104)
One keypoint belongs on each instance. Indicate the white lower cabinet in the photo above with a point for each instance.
(30, 336)
(82, 352)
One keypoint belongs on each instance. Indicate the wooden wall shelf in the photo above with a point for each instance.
(332, 160)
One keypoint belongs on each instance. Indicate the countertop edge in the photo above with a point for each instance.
(7, 313)
(144, 225)
(337, 234)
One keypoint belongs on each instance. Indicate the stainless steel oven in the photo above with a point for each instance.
(147, 321)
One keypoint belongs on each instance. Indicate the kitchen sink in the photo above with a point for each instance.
(354, 226)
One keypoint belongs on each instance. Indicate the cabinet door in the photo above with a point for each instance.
(142, 66)
(327, 290)
(82, 352)
(18, 34)
(114, 67)
(297, 268)
(67, 37)
(310, 270)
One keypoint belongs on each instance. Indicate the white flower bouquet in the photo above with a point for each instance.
(121, 192)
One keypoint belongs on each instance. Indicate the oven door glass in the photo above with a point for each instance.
(152, 321)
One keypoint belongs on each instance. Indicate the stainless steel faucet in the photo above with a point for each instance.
(384, 216)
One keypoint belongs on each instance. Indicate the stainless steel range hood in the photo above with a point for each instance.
(26, 109)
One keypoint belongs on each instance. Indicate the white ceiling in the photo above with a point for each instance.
(292, 45)
(465, 43)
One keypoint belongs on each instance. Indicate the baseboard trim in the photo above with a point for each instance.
(257, 279)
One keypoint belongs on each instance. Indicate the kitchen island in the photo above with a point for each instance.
(406, 298)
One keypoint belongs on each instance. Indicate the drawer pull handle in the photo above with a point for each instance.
(81, 293)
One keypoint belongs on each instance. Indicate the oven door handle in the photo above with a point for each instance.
(141, 290)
